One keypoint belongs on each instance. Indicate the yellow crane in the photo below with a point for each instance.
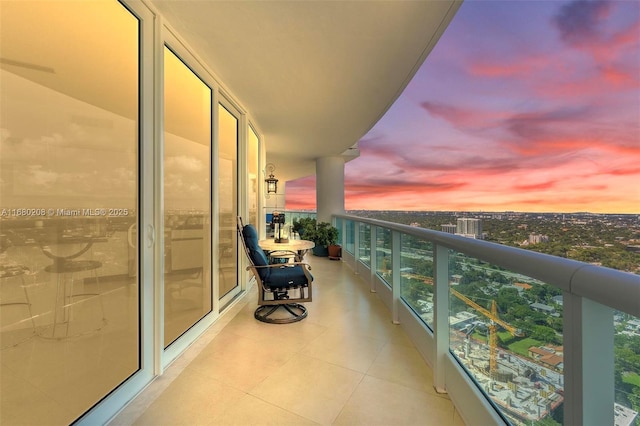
(493, 327)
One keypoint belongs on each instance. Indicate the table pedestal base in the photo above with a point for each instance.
(67, 299)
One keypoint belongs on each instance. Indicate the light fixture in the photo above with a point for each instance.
(272, 182)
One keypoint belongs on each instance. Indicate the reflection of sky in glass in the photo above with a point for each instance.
(186, 169)
(228, 138)
(59, 152)
(187, 137)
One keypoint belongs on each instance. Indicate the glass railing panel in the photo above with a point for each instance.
(627, 369)
(350, 236)
(506, 331)
(383, 254)
(339, 222)
(416, 276)
(364, 249)
(294, 221)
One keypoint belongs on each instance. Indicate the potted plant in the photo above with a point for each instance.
(335, 251)
(299, 225)
(323, 235)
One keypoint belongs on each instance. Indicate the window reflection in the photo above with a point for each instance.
(68, 207)
(228, 201)
(187, 200)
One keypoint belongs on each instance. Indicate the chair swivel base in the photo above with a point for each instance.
(296, 312)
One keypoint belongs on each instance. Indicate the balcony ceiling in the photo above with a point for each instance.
(314, 75)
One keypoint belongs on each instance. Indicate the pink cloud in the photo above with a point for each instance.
(535, 186)
(460, 116)
(523, 66)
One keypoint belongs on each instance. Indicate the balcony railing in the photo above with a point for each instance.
(513, 336)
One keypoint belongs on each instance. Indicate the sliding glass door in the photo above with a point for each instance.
(227, 203)
(69, 207)
(187, 198)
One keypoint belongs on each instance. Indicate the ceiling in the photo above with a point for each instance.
(314, 75)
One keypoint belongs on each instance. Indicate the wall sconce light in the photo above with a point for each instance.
(271, 181)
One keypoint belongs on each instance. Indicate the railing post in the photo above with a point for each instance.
(395, 274)
(589, 385)
(440, 315)
(356, 245)
(373, 257)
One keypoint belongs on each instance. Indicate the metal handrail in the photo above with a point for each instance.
(616, 289)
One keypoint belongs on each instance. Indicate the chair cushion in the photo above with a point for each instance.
(257, 255)
(286, 276)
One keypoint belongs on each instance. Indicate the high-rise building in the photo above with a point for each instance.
(468, 227)
(449, 228)
(538, 238)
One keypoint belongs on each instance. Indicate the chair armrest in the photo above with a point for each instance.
(280, 265)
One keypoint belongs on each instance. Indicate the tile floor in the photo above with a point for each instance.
(345, 364)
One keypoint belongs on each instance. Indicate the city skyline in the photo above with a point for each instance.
(521, 106)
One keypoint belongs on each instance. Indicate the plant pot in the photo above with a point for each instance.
(335, 252)
(320, 251)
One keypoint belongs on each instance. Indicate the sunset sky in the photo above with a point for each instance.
(522, 105)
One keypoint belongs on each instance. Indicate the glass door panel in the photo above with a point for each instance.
(228, 202)
(187, 198)
(69, 290)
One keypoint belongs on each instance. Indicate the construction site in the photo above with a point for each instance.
(527, 389)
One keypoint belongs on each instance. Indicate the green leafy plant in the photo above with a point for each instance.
(300, 225)
(323, 234)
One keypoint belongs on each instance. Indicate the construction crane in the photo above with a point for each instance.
(495, 321)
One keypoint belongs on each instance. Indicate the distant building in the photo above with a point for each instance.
(540, 307)
(538, 238)
(624, 416)
(523, 286)
(461, 319)
(470, 228)
(449, 228)
(547, 357)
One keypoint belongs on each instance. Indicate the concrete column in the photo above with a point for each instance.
(329, 187)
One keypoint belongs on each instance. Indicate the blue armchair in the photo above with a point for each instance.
(282, 286)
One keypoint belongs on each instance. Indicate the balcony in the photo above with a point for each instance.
(372, 331)
(330, 368)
